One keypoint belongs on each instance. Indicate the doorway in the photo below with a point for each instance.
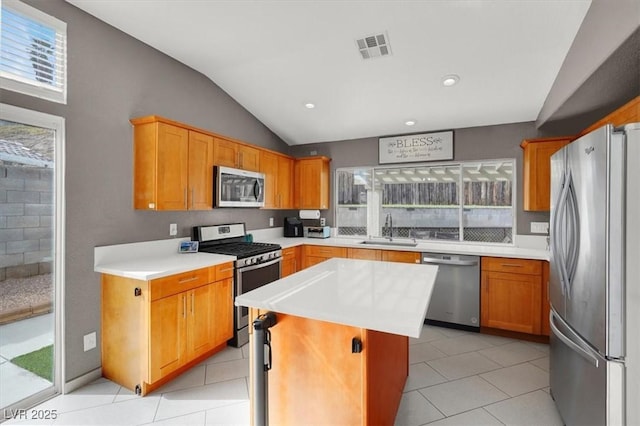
(31, 266)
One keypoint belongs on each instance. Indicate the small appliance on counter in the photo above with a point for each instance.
(293, 227)
(317, 232)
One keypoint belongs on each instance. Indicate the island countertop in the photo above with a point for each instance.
(382, 296)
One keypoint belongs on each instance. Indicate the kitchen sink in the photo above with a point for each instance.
(390, 243)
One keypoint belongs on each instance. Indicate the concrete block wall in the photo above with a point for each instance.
(26, 221)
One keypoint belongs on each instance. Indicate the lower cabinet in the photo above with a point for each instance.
(317, 375)
(511, 294)
(154, 330)
(312, 255)
(290, 261)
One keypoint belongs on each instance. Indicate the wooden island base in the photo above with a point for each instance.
(317, 379)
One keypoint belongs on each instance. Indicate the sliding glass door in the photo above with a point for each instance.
(31, 153)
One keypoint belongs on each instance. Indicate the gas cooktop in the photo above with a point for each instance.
(240, 249)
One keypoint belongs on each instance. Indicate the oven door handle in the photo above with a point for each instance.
(259, 265)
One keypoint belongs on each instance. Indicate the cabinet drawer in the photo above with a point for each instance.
(173, 284)
(514, 266)
(289, 253)
(325, 251)
(367, 254)
(401, 256)
(222, 271)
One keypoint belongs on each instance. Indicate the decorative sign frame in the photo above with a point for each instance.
(416, 148)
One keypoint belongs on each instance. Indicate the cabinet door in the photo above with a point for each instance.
(269, 166)
(401, 256)
(200, 174)
(248, 158)
(222, 313)
(172, 167)
(290, 261)
(285, 183)
(225, 153)
(312, 183)
(511, 301)
(167, 335)
(537, 171)
(199, 322)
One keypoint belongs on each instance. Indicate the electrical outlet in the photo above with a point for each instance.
(323, 221)
(173, 229)
(539, 227)
(89, 341)
(270, 221)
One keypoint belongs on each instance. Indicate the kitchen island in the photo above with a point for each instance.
(339, 346)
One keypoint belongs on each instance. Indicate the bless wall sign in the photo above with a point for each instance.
(412, 148)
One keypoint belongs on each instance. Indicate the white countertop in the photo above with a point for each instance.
(155, 259)
(152, 259)
(383, 296)
(439, 247)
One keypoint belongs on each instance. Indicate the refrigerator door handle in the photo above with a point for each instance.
(572, 210)
(570, 343)
(559, 253)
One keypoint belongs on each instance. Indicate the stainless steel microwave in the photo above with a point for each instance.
(238, 188)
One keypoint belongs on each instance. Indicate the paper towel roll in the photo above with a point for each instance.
(309, 214)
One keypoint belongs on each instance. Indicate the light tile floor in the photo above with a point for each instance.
(455, 378)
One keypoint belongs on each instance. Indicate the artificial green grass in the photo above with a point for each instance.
(39, 362)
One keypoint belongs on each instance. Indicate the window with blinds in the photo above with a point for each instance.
(32, 52)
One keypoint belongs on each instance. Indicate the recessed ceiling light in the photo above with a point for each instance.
(309, 105)
(410, 122)
(450, 80)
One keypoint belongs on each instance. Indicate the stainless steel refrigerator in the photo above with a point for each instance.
(594, 285)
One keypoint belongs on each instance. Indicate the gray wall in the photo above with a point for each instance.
(112, 78)
(475, 143)
(606, 26)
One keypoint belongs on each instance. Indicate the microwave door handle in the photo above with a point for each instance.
(257, 189)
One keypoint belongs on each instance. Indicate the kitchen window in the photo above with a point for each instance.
(32, 52)
(462, 201)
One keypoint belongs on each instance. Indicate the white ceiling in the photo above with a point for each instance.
(275, 56)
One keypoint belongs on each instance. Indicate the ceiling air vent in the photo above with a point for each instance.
(374, 46)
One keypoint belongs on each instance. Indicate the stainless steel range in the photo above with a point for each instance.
(257, 264)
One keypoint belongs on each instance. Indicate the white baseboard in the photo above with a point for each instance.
(83, 380)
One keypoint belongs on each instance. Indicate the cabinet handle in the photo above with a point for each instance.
(192, 202)
(186, 201)
(184, 306)
(186, 280)
(511, 265)
(193, 304)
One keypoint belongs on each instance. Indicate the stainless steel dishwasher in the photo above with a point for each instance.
(455, 301)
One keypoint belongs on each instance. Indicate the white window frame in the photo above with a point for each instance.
(373, 224)
(32, 87)
(56, 123)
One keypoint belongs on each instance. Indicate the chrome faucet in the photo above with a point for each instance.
(388, 223)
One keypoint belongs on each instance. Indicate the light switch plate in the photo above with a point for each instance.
(539, 227)
(173, 229)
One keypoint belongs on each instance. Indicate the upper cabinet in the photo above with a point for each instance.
(312, 183)
(627, 113)
(537, 171)
(231, 154)
(173, 167)
(278, 171)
